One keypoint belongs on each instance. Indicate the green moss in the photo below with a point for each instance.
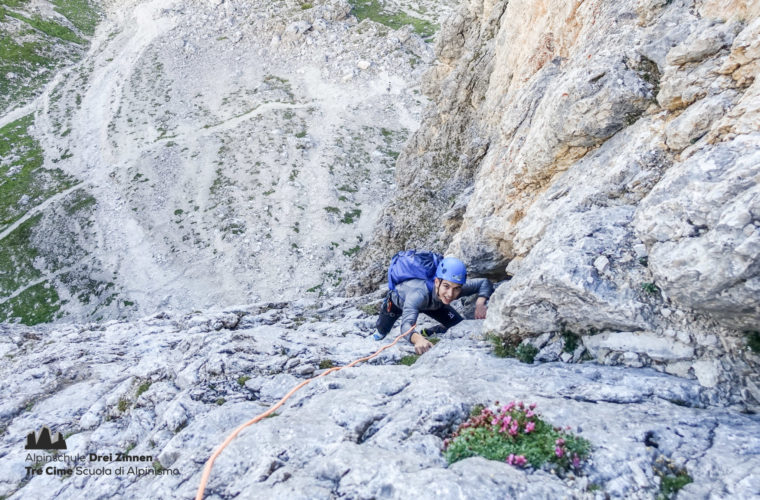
(325, 364)
(242, 379)
(123, 405)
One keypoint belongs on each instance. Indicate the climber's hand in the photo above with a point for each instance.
(421, 344)
(480, 308)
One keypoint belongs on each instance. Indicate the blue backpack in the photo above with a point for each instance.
(413, 264)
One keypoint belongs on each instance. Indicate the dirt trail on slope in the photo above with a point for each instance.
(232, 158)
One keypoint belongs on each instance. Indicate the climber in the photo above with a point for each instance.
(425, 282)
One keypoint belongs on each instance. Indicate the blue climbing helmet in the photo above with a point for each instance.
(452, 269)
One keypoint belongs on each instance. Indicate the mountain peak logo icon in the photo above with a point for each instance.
(43, 441)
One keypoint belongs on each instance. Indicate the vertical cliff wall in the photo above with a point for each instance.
(606, 155)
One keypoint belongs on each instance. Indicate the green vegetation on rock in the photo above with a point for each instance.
(25, 183)
(81, 13)
(375, 11)
(516, 434)
(33, 48)
(503, 348)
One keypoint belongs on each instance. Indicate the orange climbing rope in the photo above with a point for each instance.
(210, 461)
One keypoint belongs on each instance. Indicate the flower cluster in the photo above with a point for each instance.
(516, 434)
(562, 452)
(517, 460)
(514, 418)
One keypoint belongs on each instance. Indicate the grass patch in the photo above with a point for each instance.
(33, 48)
(650, 288)
(670, 484)
(35, 305)
(50, 28)
(503, 348)
(373, 10)
(570, 341)
(242, 379)
(348, 217)
(123, 405)
(409, 360)
(143, 388)
(24, 183)
(526, 353)
(325, 364)
(753, 341)
(370, 309)
(351, 251)
(81, 13)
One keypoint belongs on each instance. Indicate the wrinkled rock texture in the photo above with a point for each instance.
(173, 386)
(606, 157)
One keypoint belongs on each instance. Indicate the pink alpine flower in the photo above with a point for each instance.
(509, 406)
(529, 414)
(511, 459)
(529, 427)
(576, 460)
(559, 442)
(532, 406)
(513, 428)
(520, 461)
(559, 452)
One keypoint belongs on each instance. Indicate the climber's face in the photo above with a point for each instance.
(447, 291)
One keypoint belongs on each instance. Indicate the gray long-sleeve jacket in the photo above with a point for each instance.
(413, 297)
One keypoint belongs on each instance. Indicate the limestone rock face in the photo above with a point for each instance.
(604, 155)
(172, 387)
(702, 224)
